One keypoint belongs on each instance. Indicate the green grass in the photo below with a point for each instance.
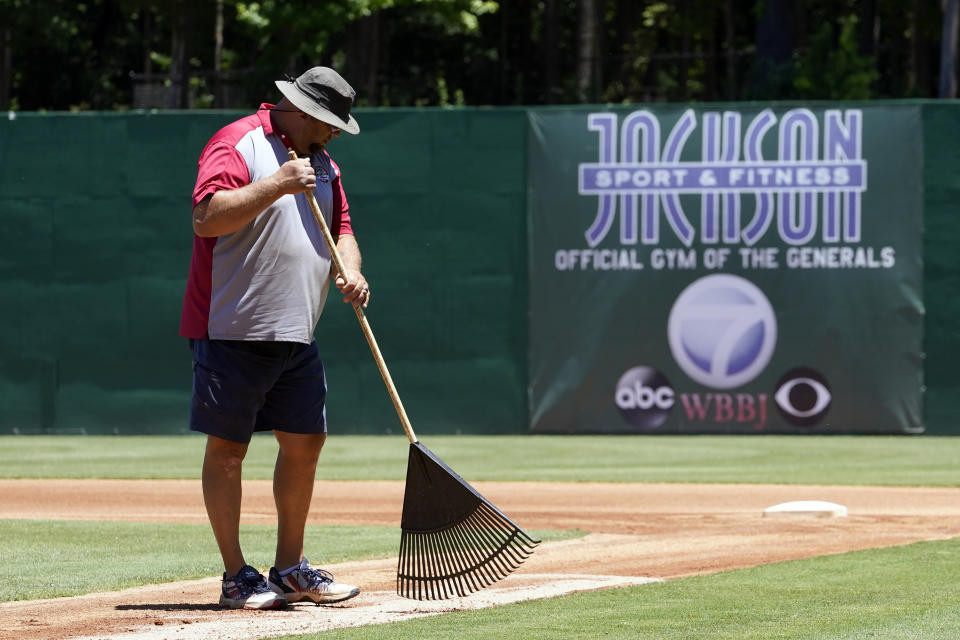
(52, 558)
(906, 592)
(848, 460)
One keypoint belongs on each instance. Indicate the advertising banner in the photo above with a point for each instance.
(751, 269)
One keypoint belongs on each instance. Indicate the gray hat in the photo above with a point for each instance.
(324, 95)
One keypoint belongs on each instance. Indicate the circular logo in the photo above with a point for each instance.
(722, 331)
(644, 397)
(803, 396)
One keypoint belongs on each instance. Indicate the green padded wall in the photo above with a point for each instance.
(941, 125)
(94, 216)
(95, 220)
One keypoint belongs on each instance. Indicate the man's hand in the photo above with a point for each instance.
(228, 210)
(296, 176)
(354, 287)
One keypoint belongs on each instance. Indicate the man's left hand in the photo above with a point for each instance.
(354, 287)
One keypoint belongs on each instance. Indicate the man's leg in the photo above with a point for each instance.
(293, 479)
(222, 464)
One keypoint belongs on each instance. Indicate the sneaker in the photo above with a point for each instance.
(303, 582)
(248, 590)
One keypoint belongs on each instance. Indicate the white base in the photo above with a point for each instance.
(815, 508)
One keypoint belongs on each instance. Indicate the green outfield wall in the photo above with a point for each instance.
(941, 274)
(451, 208)
(95, 221)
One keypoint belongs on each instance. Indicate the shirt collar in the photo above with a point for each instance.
(264, 113)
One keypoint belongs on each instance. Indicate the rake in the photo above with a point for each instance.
(453, 541)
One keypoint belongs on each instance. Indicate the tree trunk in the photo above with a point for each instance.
(6, 66)
(550, 68)
(776, 34)
(362, 65)
(503, 69)
(684, 76)
(869, 27)
(920, 78)
(524, 51)
(373, 62)
(586, 51)
(625, 50)
(147, 41)
(948, 50)
(712, 54)
(180, 84)
(731, 50)
(218, 56)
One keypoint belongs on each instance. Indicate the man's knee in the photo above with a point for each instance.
(224, 456)
(301, 447)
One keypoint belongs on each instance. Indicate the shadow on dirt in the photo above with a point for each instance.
(185, 606)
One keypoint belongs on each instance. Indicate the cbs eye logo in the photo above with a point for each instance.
(803, 397)
(644, 397)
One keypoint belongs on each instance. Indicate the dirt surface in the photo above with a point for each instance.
(638, 532)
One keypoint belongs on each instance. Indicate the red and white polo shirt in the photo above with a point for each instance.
(268, 280)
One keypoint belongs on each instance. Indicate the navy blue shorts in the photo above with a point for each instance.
(243, 386)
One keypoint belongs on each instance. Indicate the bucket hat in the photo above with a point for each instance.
(323, 94)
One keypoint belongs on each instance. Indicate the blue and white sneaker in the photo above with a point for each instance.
(303, 582)
(249, 590)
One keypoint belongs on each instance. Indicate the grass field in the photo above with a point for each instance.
(853, 460)
(902, 592)
(106, 556)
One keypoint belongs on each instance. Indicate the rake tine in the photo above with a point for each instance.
(459, 563)
(453, 569)
(455, 561)
(457, 567)
(479, 543)
(497, 560)
(436, 562)
(401, 561)
(418, 567)
(499, 536)
(406, 546)
(425, 568)
(408, 562)
(515, 543)
(415, 563)
(470, 558)
(440, 592)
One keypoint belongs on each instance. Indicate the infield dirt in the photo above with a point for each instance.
(637, 532)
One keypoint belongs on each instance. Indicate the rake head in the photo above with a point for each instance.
(453, 541)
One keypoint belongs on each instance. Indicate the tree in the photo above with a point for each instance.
(948, 55)
(587, 52)
(114, 54)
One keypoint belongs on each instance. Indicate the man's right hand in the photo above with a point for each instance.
(228, 210)
(296, 176)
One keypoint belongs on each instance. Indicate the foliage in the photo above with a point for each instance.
(832, 62)
(116, 54)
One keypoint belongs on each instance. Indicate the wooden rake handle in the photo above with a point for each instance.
(361, 317)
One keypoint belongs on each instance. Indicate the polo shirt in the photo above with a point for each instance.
(268, 280)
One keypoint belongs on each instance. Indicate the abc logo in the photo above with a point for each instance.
(803, 397)
(644, 397)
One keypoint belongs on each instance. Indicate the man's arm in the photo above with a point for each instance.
(228, 210)
(351, 283)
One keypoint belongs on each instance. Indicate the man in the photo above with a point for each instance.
(258, 280)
